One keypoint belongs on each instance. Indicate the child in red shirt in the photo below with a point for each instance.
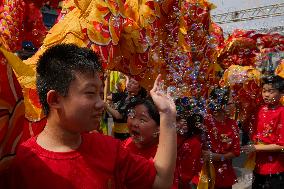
(189, 144)
(144, 124)
(268, 137)
(65, 154)
(221, 141)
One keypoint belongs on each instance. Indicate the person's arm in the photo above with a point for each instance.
(113, 111)
(109, 97)
(165, 158)
(207, 155)
(262, 148)
(269, 147)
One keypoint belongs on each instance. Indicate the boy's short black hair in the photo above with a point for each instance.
(183, 107)
(57, 66)
(149, 104)
(142, 92)
(218, 98)
(185, 111)
(276, 81)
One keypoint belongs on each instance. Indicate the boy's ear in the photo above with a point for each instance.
(158, 130)
(53, 99)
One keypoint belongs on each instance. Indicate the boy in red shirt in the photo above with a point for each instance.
(268, 137)
(65, 154)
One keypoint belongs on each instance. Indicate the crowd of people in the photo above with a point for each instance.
(165, 145)
(207, 141)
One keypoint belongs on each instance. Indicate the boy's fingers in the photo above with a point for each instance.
(155, 87)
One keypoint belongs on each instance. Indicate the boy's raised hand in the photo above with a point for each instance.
(162, 100)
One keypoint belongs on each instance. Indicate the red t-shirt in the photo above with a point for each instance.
(269, 130)
(188, 158)
(148, 153)
(188, 161)
(100, 162)
(222, 138)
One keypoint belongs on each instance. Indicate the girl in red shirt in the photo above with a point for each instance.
(143, 123)
(220, 141)
(189, 145)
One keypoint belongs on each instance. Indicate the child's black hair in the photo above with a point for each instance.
(142, 92)
(193, 120)
(57, 66)
(193, 124)
(276, 81)
(149, 104)
(218, 98)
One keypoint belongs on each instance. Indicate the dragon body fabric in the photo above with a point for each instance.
(244, 58)
(139, 38)
(19, 21)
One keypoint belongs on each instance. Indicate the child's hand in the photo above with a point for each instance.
(164, 102)
(207, 155)
(248, 148)
(106, 105)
